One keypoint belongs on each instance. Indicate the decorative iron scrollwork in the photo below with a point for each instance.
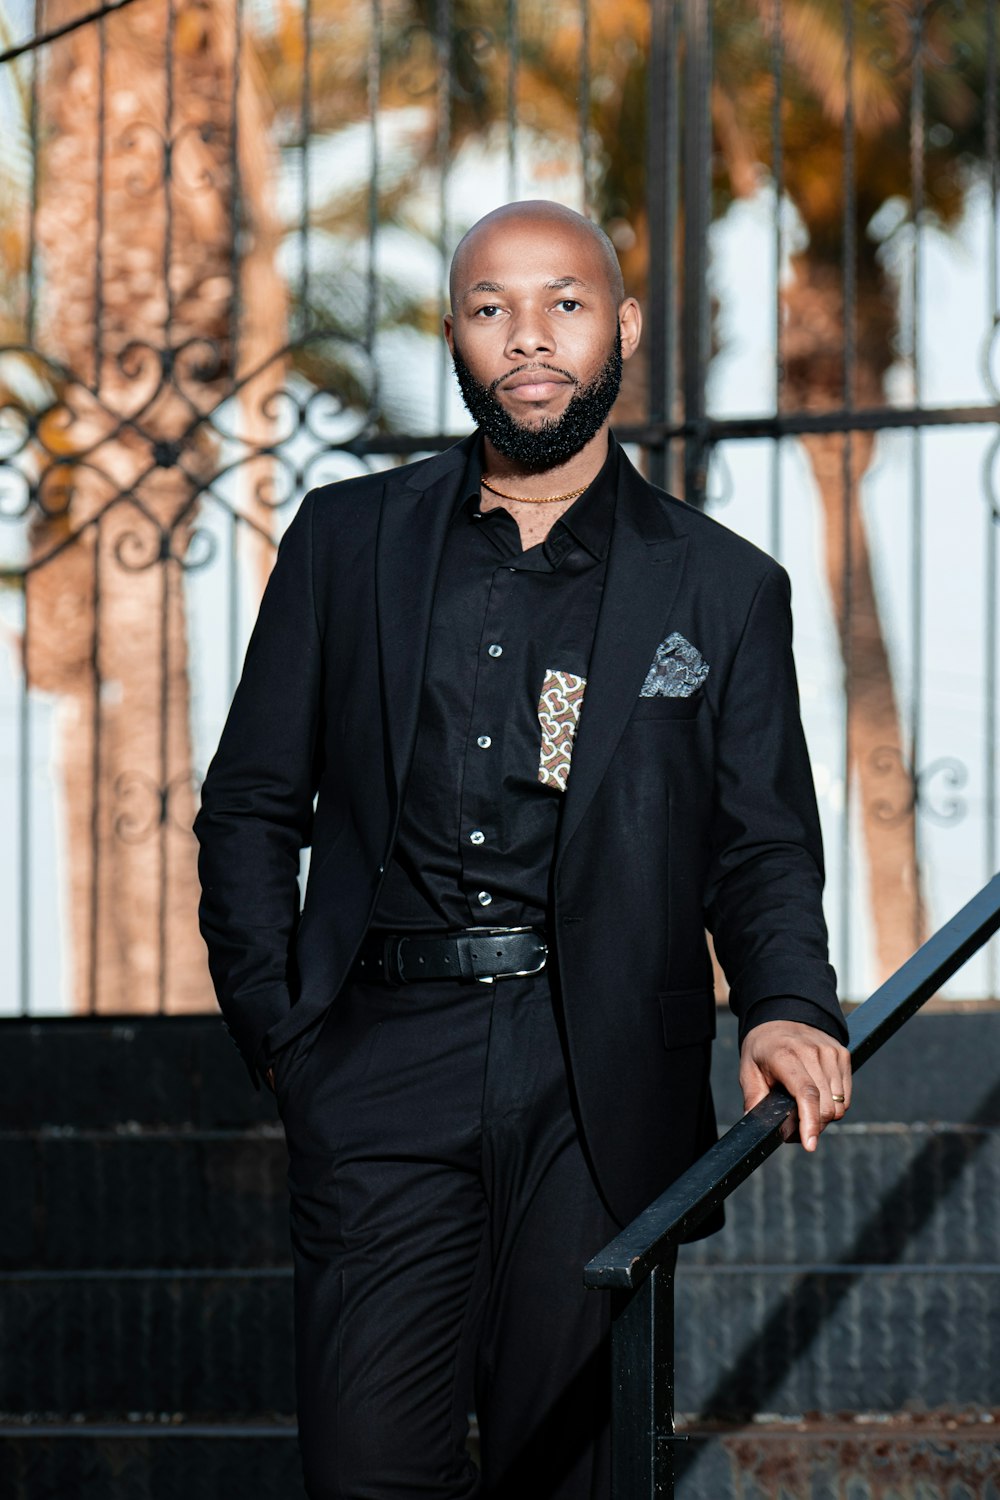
(888, 761)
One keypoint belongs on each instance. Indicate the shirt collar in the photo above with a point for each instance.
(588, 519)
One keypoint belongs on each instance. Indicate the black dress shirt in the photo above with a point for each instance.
(511, 635)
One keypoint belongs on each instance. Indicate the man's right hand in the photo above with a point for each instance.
(269, 1078)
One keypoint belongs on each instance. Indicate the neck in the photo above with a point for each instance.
(575, 474)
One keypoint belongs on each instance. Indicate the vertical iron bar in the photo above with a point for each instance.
(95, 779)
(164, 696)
(24, 809)
(584, 116)
(102, 88)
(374, 98)
(697, 203)
(672, 196)
(513, 44)
(24, 737)
(305, 128)
(847, 475)
(662, 200)
(992, 129)
(235, 203)
(642, 1388)
(168, 161)
(777, 186)
(993, 318)
(164, 771)
(917, 127)
(233, 651)
(442, 24)
(235, 320)
(990, 668)
(31, 308)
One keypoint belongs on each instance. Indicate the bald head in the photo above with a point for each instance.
(527, 220)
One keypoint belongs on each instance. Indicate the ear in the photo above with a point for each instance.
(630, 319)
(449, 331)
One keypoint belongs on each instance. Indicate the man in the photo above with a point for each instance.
(549, 718)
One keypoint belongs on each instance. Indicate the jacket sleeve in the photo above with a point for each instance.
(765, 886)
(257, 802)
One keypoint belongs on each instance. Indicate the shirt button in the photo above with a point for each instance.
(484, 742)
(495, 650)
(477, 837)
(484, 898)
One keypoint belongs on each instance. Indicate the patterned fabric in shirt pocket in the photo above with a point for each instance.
(560, 704)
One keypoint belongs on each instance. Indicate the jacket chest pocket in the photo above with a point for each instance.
(661, 708)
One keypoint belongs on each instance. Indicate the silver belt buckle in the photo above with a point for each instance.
(514, 973)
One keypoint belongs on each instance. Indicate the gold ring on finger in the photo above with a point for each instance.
(838, 1098)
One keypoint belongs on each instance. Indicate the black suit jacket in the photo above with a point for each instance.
(680, 813)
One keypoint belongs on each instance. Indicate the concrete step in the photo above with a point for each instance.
(749, 1339)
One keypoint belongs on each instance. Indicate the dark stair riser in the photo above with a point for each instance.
(173, 1070)
(880, 1194)
(109, 1346)
(150, 1071)
(168, 1465)
(840, 1341)
(188, 1201)
(144, 1201)
(831, 1342)
(755, 1465)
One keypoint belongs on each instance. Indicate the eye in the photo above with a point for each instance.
(568, 304)
(487, 312)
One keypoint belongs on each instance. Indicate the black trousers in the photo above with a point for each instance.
(441, 1213)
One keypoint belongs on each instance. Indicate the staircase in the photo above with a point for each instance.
(145, 1317)
(852, 1302)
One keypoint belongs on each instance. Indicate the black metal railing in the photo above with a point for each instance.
(638, 1266)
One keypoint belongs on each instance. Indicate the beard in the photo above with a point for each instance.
(552, 442)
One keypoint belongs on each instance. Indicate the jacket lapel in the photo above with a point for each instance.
(413, 524)
(645, 564)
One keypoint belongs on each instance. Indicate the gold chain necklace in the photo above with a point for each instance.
(532, 499)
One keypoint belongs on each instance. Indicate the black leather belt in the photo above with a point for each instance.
(474, 953)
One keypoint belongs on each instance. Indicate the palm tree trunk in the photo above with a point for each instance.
(141, 315)
(877, 764)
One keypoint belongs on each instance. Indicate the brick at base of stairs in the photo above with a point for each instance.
(874, 1456)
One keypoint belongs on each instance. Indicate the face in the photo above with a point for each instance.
(538, 337)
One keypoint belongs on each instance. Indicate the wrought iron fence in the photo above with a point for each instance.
(225, 227)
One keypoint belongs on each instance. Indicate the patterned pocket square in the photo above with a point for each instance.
(678, 670)
(559, 708)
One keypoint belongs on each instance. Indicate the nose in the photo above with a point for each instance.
(529, 336)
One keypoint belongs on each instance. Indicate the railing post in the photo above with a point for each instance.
(642, 1373)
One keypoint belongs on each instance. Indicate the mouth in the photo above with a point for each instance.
(534, 385)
